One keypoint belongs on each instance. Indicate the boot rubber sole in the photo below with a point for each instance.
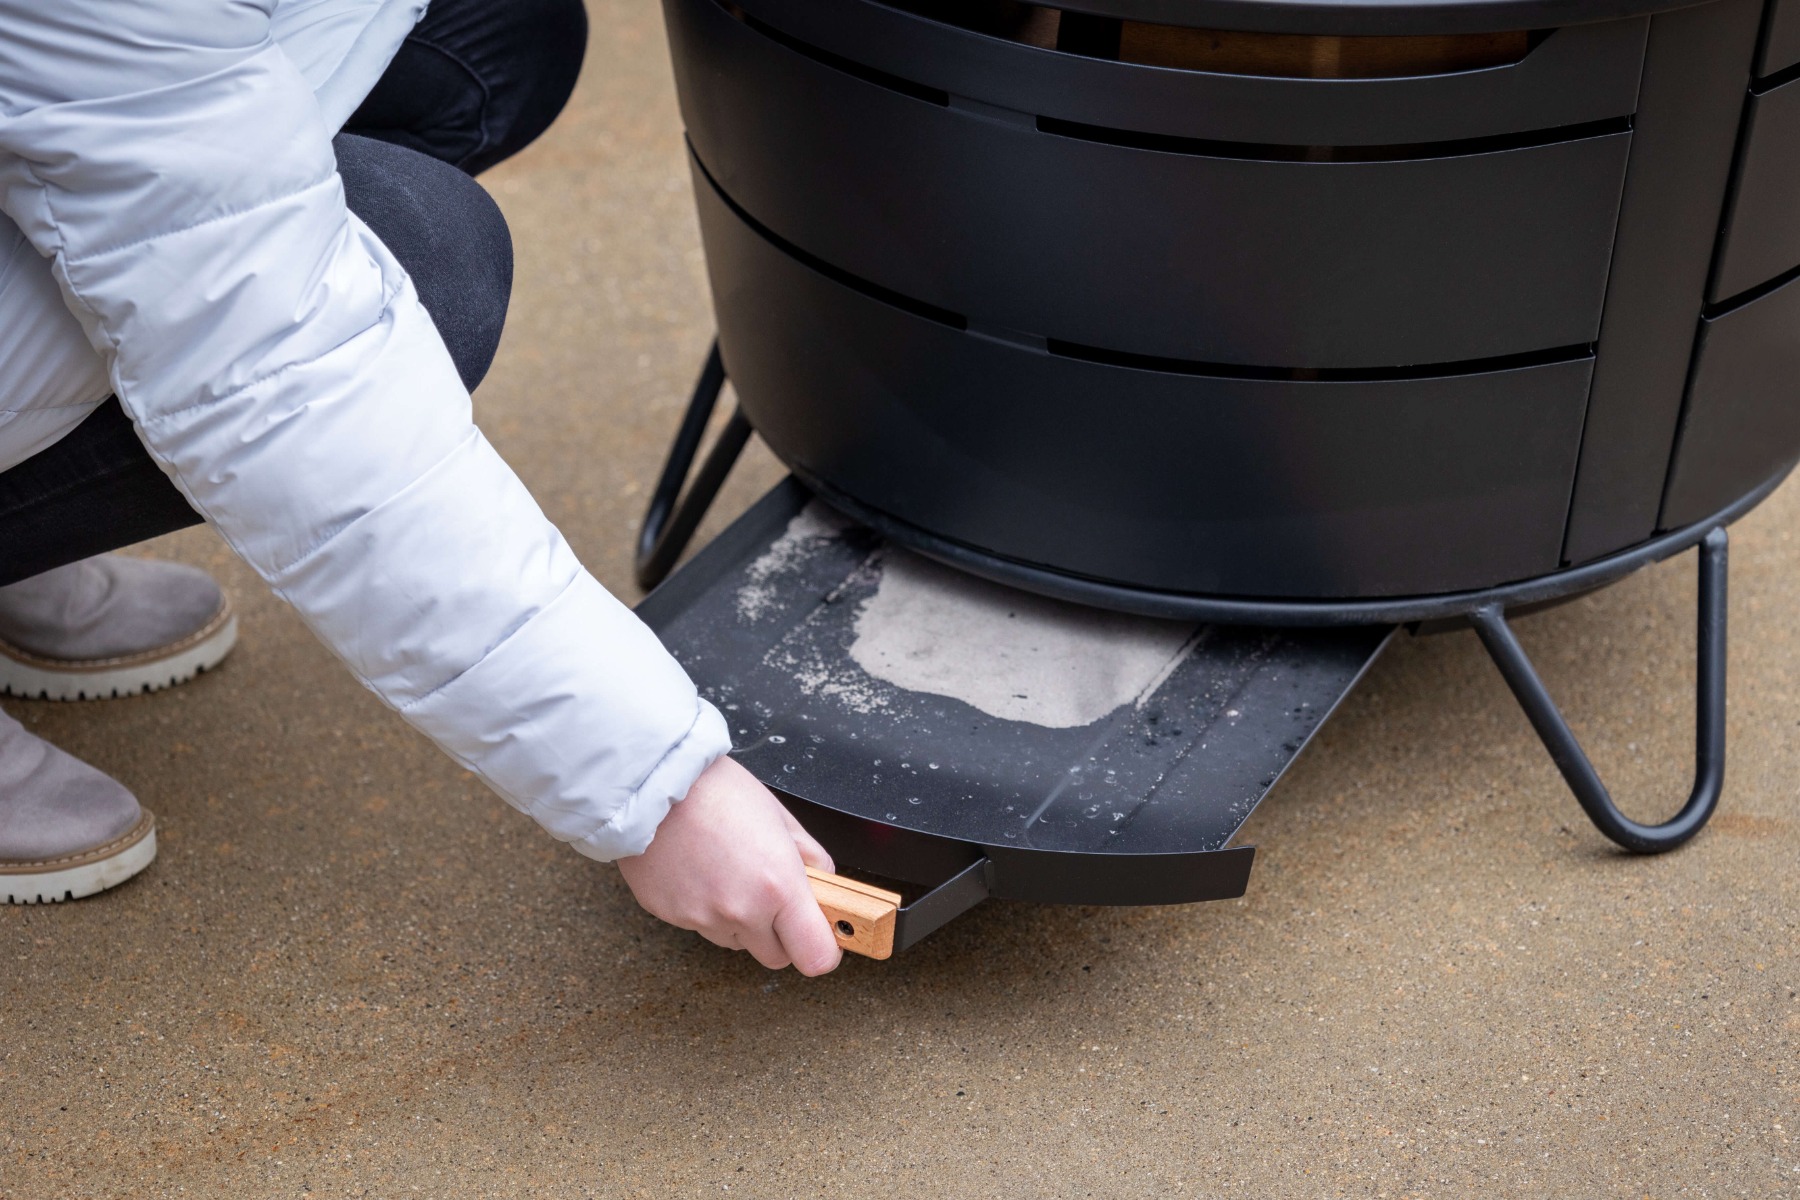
(78, 875)
(31, 677)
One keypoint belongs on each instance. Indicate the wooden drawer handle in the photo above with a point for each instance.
(862, 916)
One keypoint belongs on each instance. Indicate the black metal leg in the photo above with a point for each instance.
(1709, 714)
(668, 526)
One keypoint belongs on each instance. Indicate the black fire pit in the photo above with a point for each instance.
(1263, 313)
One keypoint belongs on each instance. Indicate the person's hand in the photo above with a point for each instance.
(729, 862)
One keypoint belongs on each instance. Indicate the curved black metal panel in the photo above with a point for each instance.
(1781, 43)
(1227, 486)
(1761, 238)
(1573, 76)
(1183, 255)
(1742, 420)
(1696, 69)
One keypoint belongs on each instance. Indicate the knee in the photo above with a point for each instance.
(478, 81)
(446, 231)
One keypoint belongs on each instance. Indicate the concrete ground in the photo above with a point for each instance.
(354, 972)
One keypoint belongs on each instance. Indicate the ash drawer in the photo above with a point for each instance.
(1570, 76)
(1201, 484)
(1762, 230)
(1742, 420)
(1191, 251)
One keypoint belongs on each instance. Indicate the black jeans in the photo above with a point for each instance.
(476, 82)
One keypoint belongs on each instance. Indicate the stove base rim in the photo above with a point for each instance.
(1227, 610)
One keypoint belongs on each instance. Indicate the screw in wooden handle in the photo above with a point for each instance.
(862, 915)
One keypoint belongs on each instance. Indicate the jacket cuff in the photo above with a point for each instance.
(574, 716)
(630, 830)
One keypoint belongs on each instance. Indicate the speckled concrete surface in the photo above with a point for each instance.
(352, 972)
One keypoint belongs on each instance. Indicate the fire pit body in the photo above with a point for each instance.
(1267, 312)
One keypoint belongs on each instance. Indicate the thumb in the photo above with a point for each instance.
(811, 853)
(806, 936)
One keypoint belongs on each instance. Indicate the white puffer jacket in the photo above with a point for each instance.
(178, 237)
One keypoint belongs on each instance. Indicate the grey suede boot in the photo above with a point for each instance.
(111, 626)
(66, 830)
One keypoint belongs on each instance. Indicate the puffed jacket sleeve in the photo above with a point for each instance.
(175, 166)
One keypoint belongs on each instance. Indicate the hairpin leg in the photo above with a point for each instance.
(669, 526)
(1566, 752)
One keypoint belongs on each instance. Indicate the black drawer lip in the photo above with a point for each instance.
(1574, 76)
(1351, 17)
(1128, 360)
(1499, 143)
(1416, 371)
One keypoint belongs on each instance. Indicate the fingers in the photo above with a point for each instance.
(811, 853)
(799, 936)
(723, 937)
(806, 936)
(765, 947)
